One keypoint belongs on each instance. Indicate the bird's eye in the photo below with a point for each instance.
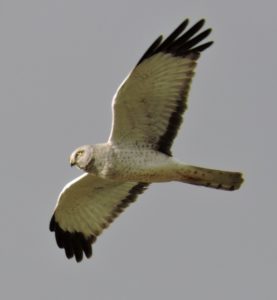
(79, 153)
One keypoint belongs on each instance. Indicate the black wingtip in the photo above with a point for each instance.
(181, 42)
(203, 47)
(152, 48)
(74, 243)
(52, 224)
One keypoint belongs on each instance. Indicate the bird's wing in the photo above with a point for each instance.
(149, 104)
(85, 207)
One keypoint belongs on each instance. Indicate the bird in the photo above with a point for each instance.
(147, 111)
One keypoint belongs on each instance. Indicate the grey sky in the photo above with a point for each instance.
(61, 62)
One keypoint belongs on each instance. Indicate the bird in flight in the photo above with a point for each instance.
(148, 110)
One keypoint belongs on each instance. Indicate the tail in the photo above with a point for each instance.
(223, 180)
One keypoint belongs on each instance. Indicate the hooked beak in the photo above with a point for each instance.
(72, 162)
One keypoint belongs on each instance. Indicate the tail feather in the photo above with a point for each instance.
(223, 180)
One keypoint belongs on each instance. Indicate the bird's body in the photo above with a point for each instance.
(147, 113)
(139, 163)
(130, 163)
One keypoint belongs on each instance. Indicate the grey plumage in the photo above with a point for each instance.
(147, 113)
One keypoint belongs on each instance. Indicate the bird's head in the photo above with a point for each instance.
(82, 157)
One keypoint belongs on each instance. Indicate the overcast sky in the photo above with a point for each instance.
(60, 64)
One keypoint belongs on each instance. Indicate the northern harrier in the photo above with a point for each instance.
(147, 113)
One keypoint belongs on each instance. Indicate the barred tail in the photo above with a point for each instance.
(217, 179)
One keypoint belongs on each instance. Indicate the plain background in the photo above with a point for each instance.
(60, 64)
